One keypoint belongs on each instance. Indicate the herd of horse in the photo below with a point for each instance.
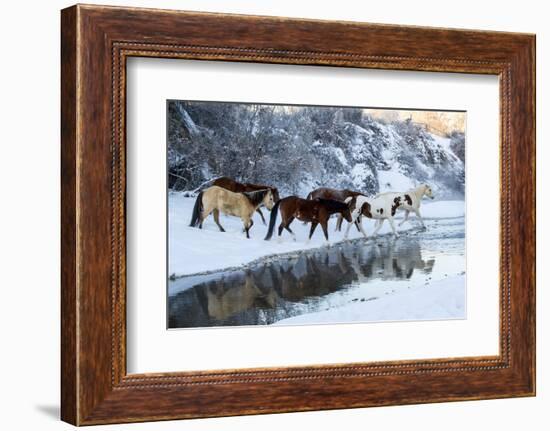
(230, 197)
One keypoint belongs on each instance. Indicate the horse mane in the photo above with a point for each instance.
(332, 205)
(256, 197)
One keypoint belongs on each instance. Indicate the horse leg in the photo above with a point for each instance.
(392, 224)
(281, 227)
(247, 226)
(358, 223)
(405, 218)
(339, 223)
(284, 220)
(378, 225)
(417, 212)
(313, 226)
(324, 226)
(216, 212)
(287, 227)
(355, 222)
(259, 211)
(347, 230)
(204, 215)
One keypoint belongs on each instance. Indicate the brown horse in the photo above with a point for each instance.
(334, 194)
(236, 187)
(314, 211)
(217, 199)
(337, 195)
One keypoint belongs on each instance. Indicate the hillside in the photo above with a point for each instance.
(300, 148)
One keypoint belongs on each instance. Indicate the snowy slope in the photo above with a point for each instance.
(301, 149)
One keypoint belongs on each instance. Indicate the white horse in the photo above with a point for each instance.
(380, 208)
(411, 200)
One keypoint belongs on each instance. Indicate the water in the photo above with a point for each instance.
(318, 279)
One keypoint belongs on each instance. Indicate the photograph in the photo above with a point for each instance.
(302, 215)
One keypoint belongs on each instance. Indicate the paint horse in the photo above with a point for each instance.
(217, 199)
(412, 200)
(380, 208)
(234, 186)
(337, 195)
(316, 211)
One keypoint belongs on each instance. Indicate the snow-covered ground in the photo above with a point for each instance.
(420, 276)
(441, 299)
(193, 250)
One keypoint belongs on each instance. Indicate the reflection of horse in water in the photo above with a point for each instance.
(284, 288)
(311, 276)
(224, 302)
(395, 260)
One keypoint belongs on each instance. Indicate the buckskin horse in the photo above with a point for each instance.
(237, 187)
(217, 199)
(316, 211)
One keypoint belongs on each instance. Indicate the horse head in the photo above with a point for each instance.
(269, 200)
(346, 213)
(428, 191)
(275, 193)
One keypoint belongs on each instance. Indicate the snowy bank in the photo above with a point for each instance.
(441, 299)
(441, 209)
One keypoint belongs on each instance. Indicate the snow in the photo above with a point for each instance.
(394, 180)
(358, 153)
(443, 142)
(442, 299)
(193, 250)
(340, 156)
(359, 173)
(442, 209)
(387, 155)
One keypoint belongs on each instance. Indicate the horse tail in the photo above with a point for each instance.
(272, 220)
(197, 209)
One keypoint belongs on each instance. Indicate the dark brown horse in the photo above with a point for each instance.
(337, 195)
(236, 187)
(334, 194)
(314, 211)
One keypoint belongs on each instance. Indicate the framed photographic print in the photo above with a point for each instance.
(322, 214)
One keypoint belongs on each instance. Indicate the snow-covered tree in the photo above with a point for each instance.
(300, 148)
